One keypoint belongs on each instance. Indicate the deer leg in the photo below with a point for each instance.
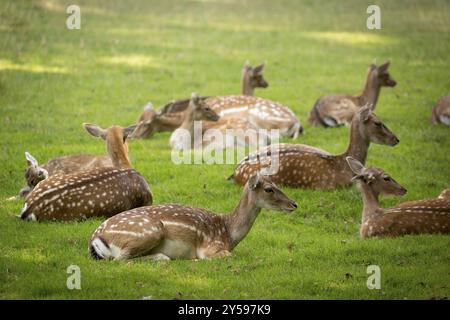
(154, 257)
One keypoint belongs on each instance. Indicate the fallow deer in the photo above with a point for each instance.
(308, 167)
(64, 165)
(252, 78)
(332, 111)
(173, 231)
(441, 112)
(414, 217)
(186, 137)
(95, 192)
(261, 113)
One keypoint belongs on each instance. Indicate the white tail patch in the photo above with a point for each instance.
(445, 119)
(102, 250)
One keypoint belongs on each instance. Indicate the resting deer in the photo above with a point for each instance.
(173, 231)
(415, 217)
(63, 165)
(186, 137)
(95, 192)
(308, 167)
(261, 113)
(441, 112)
(252, 78)
(332, 111)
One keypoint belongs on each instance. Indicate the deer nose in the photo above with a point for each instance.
(396, 141)
(301, 130)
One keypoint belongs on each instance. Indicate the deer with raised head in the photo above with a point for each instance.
(64, 165)
(441, 112)
(252, 78)
(261, 113)
(303, 166)
(91, 193)
(414, 217)
(332, 111)
(186, 137)
(173, 231)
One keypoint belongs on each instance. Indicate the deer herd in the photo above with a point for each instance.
(81, 186)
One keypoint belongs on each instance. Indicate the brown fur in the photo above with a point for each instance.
(441, 112)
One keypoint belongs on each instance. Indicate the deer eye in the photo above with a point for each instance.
(268, 190)
(387, 178)
(378, 124)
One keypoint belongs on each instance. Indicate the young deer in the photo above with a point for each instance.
(441, 112)
(261, 113)
(64, 165)
(415, 217)
(174, 231)
(308, 167)
(332, 111)
(252, 78)
(186, 137)
(95, 192)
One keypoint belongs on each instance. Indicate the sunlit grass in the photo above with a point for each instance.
(130, 52)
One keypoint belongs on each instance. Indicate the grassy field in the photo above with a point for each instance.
(53, 79)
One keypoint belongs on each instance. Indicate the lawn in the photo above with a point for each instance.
(128, 53)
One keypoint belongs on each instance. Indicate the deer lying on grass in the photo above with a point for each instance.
(308, 167)
(441, 112)
(261, 113)
(332, 111)
(174, 231)
(95, 192)
(185, 137)
(415, 217)
(68, 164)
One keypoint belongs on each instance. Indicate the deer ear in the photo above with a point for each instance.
(254, 181)
(95, 130)
(259, 69)
(30, 159)
(129, 131)
(384, 67)
(356, 166)
(365, 112)
(195, 99)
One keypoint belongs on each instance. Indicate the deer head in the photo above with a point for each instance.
(34, 174)
(268, 195)
(373, 129)
(116, 142)
(377, 179)
(381, 76)
(200, 110)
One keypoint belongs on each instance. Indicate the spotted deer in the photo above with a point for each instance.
(302, 166)
(414, 217)
(332, 111)
(174, 231)
(67, 164)
(261, 113)
(441, 112)
(186, 136)
(95, 192)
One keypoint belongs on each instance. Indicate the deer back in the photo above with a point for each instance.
(97, 192)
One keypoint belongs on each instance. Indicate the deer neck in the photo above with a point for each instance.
(370, 201)
(241, 220)
(358, 145)
(118, 152)
(371, 91)
(246, 87)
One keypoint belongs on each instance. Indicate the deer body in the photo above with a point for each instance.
(308, 167)
(174, 231)
(331, 111)
(441, 112)
(260, 113)
(95, 192)
(414, 217)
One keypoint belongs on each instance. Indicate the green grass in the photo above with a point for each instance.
(53, 79)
